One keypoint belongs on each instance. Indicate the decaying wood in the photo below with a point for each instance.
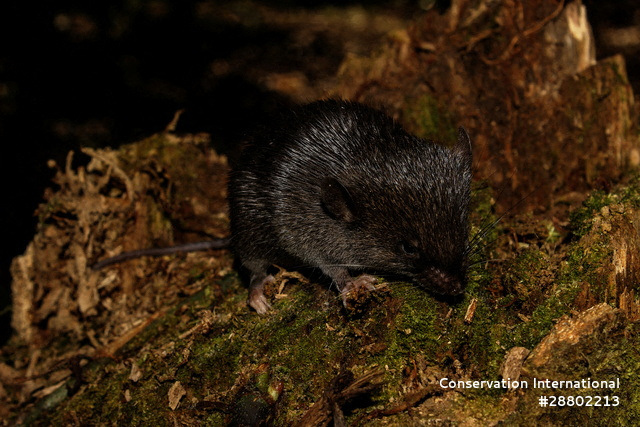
(523, 79)
(53, 282)
(571, 337)
(546, 120)
(341, 389)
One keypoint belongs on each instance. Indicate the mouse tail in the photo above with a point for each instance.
(186, 247)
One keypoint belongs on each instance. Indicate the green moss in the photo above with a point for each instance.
(485, 340)
(417, 328)
(558, 300)
(582, 218)
(425, 117)
(308, 337)
(109, 394)
(522, 277)
(616, 356)
(485, 226)
(213, 361)
(584, 264)
(529, 333)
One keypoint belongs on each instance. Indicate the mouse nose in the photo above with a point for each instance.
(441, 281)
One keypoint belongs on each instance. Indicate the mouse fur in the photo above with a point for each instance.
(342, 187)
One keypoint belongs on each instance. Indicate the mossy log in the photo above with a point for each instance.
(170, 340)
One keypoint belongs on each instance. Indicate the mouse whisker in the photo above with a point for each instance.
(301, 266)
(485, 261)
(478, 248)
(484, 230)
(363, 266)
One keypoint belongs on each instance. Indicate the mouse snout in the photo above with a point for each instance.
(441, 282)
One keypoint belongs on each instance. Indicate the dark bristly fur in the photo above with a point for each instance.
(338, 184)
(341, 187)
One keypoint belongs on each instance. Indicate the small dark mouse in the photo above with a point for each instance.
(342, 187)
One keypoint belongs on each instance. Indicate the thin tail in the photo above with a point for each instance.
(187, 247)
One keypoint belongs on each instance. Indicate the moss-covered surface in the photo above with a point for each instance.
(198, 355)
(428, 119)
(172, 341)
(607, 355)
(231, 365)
(236, 365)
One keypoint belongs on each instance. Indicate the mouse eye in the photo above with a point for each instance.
(409, 248)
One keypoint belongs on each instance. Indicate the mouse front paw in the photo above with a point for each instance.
(354, 289)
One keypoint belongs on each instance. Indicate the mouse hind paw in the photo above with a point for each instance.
(257, 300)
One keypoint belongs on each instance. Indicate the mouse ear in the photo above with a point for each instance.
(463, 146)
(337, 201)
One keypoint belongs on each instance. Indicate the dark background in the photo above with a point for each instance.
(104, 73)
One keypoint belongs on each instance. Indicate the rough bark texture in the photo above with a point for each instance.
(125, 200)
(546, 120)
(171, 340)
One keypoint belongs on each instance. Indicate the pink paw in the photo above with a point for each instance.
(354, 287)
(257, 300)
